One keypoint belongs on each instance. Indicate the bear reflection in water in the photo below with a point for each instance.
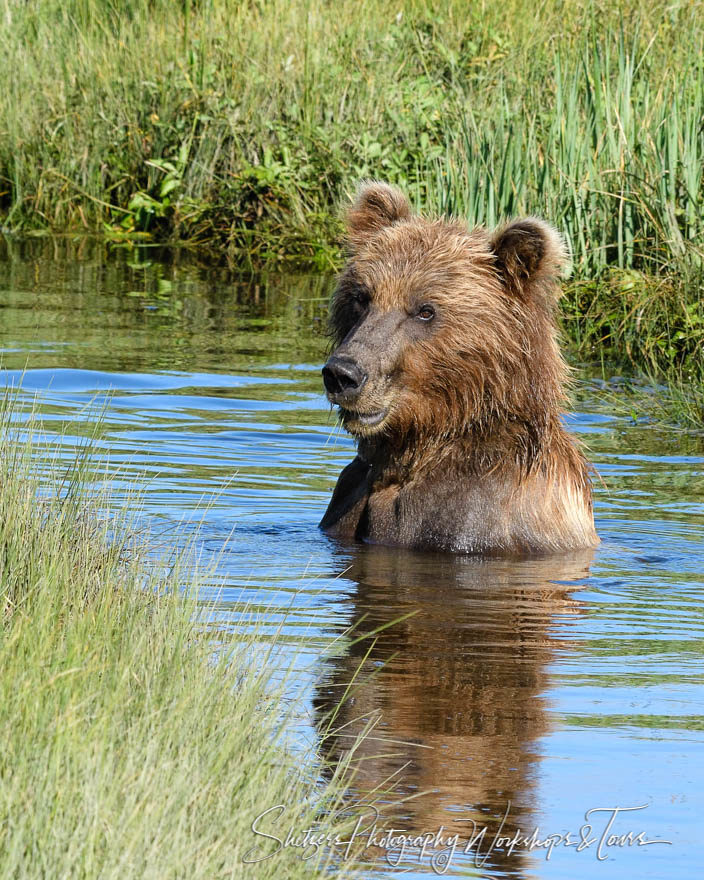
(457, 702)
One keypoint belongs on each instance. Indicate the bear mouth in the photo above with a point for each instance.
(363, 420)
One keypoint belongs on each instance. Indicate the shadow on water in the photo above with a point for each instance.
(453, 681)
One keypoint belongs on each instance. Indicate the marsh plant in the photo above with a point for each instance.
(127, 751)
(248, 122)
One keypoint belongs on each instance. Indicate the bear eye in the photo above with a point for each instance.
(426, 312)
(360, 298)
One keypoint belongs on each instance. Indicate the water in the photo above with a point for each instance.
(533, 691)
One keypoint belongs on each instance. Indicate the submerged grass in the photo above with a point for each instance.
(242, 126)
(127, 752)
(677, 406)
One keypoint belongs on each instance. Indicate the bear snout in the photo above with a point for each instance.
(343, 378)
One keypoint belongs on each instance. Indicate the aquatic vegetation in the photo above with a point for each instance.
(678, 405)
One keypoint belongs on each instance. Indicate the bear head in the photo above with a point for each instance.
(440, 329)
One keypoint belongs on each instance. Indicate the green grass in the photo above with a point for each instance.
(248, 122)
(127, 752)
(243, 126)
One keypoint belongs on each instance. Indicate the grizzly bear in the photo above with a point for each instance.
(446, 370)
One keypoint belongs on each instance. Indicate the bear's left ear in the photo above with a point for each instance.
(528, 254)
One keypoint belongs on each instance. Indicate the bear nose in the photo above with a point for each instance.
(342, 377)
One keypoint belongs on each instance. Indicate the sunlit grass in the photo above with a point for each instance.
(127, 751)
(249, 122)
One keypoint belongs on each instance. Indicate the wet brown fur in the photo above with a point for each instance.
(472, 455)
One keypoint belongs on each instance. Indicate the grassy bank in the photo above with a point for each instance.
(242, 126)
(126, 751)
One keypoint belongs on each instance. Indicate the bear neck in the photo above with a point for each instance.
(517, 444)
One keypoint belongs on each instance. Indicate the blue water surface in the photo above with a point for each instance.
(533, 691)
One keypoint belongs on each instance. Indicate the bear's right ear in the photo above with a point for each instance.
(376, 205)
(529, 255)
